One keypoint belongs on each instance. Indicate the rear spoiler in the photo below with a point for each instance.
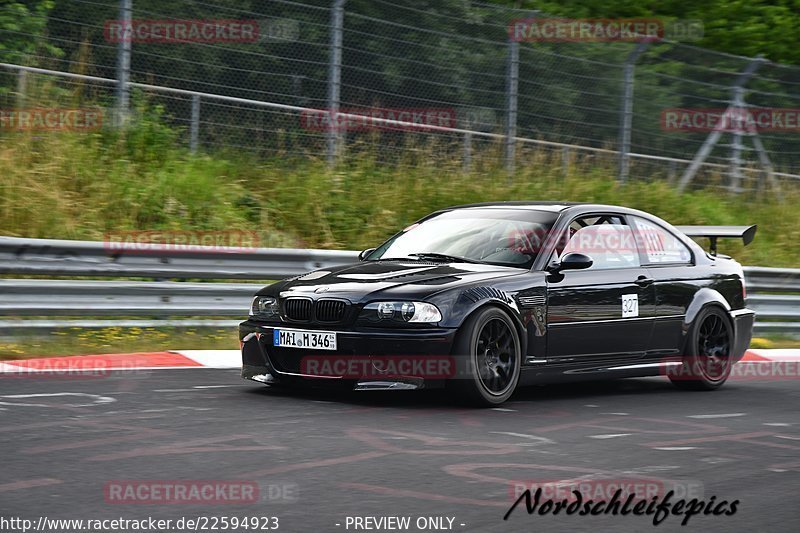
(746, 233)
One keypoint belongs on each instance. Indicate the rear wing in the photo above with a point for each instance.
(746, 233)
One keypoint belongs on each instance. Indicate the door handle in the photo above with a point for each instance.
(644, 281)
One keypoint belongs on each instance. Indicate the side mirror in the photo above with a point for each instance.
(363, 255)
(573, 261)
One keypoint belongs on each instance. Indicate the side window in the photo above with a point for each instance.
(607, 240)
(659, 245)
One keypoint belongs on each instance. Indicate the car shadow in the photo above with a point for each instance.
(441, 398)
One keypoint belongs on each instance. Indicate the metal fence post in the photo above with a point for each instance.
(627, 111)
(672, 170)
(334, 79)
(732, 113)
(467, 152)
(512, 87)
(194, 128)
(22, 87)
(124, 63)
(735, 167)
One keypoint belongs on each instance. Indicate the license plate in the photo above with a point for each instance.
(302, 338)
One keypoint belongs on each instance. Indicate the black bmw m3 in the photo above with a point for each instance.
(484, 298)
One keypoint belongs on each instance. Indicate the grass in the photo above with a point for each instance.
(775, 341)
(73, 186)
(81, 186)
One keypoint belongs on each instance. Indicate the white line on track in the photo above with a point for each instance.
(214, 358)
(676, 448)
(610, 436)
(779, 355)
(95, 399)
(721, 415)
(77, 371)
(535, 438)
(650, 469)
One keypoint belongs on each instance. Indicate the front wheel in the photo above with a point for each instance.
(489, 352)
(707, 362)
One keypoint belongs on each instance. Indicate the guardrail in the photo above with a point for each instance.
(124, 298)
(774, 293)
(163, 303)
(47, 257)
(178, 303)
(772, 280)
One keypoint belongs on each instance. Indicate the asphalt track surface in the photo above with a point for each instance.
(63, 439)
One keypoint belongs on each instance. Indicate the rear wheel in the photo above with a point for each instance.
(707, 363)
(489, 353)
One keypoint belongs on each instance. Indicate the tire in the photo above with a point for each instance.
(488, 351)
(707, 361)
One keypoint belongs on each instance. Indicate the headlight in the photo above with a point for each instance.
(413, 312)
(265, 307)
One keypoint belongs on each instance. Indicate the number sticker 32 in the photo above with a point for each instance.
(630, 305)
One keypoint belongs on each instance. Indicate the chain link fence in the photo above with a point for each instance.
(408, 79)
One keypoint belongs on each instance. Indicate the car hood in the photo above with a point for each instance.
(396, 279)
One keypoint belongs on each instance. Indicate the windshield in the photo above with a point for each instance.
(507, 237)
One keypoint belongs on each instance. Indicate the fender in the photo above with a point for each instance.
(511, 310)
(702, 299)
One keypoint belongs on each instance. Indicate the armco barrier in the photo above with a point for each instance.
(774, 293)
(49, 257)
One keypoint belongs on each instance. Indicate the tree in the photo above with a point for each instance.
(741, 27)
(22, 26)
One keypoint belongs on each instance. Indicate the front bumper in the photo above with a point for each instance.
(265, 363)
(743, 320)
